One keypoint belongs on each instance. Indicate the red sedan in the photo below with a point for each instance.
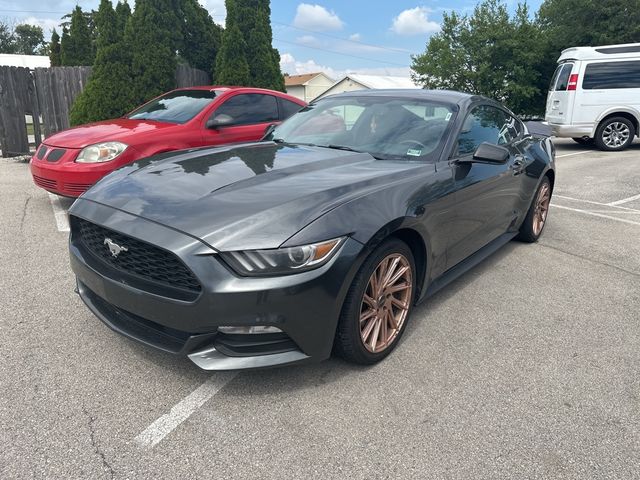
(71, 161)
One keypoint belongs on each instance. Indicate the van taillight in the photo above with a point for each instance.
(573, 82)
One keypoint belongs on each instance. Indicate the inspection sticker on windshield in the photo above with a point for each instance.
(413, 152)
(448, 117)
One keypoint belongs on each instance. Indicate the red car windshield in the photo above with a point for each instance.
(175, 107)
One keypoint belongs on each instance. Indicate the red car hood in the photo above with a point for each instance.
(120, 129)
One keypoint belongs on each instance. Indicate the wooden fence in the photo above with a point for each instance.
(46, 95)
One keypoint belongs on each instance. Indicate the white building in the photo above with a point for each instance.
(355, 81)
(28, 61)
(307, 87)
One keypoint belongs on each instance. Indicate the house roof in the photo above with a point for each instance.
(29, 61)
(381, 81)
(292, 80)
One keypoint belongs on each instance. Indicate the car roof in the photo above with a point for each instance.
(224, 89)
(443, 96)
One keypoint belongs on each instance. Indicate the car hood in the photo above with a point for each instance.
(245, 197)
(120, 129)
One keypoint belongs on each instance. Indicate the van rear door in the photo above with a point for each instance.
(562, 92)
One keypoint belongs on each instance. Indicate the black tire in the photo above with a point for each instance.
(348, 342)
(528, 230)
(583, 140)
(614, 134)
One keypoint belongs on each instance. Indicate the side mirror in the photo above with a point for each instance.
(269, 130)
(487, 152)
(218, 121)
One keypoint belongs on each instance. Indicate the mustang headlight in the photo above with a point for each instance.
(101, 152)
(282, 261)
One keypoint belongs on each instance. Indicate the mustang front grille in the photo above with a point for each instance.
(135, 257)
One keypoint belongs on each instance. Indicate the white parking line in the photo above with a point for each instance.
(624, 200)
(164, 425)
(595, 203)
(574, 153)
(59, 213)
(594, 214)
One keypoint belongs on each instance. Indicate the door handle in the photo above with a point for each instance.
(518, 165)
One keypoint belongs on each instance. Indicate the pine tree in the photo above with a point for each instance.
(108, 93)
(154, 35)
(76, 47)
(123, 12)
(64, 43)
(265, 72)
(251, 19)
(106, 25)
(54, 49)
(202, 37)
(231, 65)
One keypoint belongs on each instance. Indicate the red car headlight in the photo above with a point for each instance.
(101, 152)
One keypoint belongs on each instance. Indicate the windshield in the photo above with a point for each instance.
(385, 127)
(175, 107)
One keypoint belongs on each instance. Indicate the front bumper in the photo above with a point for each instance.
(304, 306)
(65, 177)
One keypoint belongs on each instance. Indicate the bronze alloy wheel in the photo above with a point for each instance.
(541, 208)
(386, 302)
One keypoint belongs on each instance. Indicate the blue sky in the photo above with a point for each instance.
(326, 35)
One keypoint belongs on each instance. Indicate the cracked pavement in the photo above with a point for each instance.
(526, 367)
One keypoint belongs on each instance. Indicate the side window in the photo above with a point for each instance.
(248, 109)
(484, 124)
(612, 75)
(562, 81)
(288, 108)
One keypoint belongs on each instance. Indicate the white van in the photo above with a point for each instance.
(594, 95)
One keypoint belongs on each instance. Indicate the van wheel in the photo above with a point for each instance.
(615, 133)
(583, 140)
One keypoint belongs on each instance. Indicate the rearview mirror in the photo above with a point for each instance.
(487, 152)
(218, 121)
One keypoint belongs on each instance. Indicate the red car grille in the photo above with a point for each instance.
(76, 188)
(45, 183)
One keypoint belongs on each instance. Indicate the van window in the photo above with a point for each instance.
(561, 77)
(612, 75)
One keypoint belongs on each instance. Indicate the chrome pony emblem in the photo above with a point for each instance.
(114, 248)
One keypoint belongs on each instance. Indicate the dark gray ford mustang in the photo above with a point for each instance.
(320, 238)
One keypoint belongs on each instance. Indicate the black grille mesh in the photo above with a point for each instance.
(55, 155)
(141, 258)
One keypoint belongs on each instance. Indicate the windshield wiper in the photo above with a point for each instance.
(341, 147)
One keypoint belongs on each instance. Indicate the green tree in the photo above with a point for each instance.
(108, 92)
(76, 46)
(232, 67)
(202, 36)
(264, 60)
(29, 39)
(123, 12)
(106, 25)
(248, 21)
(154, 34)
(570, 23)
(54, 49)
(7, 39)
(487, 53)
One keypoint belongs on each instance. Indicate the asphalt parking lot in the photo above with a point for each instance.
(526, 367)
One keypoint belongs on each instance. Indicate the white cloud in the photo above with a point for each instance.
(414, 21)
(308, 40)
(356, 37)
(290, 65)
(316, 17)
(217, 9)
